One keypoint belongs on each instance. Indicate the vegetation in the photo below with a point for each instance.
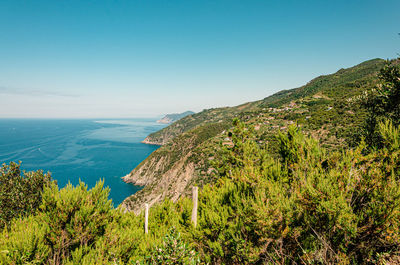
(308, 206)
(382, 101)
(173, 251)
(75, 225)
(20, 194)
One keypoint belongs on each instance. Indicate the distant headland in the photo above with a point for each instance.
(170, 118)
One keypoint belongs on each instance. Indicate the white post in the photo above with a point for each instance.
(194, 210)
(146, 219)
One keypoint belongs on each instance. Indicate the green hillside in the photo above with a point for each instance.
(190, 122)
(325, 108)
(334, 90)
(343, 84)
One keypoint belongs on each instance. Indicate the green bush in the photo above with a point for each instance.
(75, 225)
(172, 251)
(20, 194)
(66, 220)
(382, 102)
(307, 207)
(74, 217)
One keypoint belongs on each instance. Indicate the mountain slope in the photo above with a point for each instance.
(190, 122)
(324, 108)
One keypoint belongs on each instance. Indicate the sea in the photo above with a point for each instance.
(79, 150)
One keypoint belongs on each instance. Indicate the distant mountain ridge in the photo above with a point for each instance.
(170, 118)
(325, 108)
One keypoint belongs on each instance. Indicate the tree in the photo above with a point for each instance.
(382, 102)
(20, 193)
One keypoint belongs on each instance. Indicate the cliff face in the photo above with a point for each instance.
(324, 108)
(146, 173)
(172, 184)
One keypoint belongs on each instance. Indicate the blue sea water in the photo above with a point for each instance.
(74, 150)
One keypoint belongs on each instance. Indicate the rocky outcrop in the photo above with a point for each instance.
(165, 120)
(145, 174)
(172, 184)
(149, 140)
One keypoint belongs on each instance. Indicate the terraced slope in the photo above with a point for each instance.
(325, 107)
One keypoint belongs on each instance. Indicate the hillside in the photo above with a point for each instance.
(190, 122)
(325, 108)
(170, 118)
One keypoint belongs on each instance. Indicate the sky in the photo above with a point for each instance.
(125, 59)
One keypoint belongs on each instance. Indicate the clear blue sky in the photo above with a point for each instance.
(146, 58)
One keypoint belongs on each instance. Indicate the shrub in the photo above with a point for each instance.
(20, 193)
(74, 217)
(309, 206)
(66, 220)
(382, 102)
(172, 251)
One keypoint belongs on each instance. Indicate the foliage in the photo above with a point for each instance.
(231, 157)
(20, 193)
(383, 101)
(75, 225)
(74, 217)
(66, 220)
(306, 207)
(173, 251)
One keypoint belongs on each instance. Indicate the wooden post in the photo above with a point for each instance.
(146, 219)
(194, 210)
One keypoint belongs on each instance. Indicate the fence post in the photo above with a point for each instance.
(194, 210)
(146, 219)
